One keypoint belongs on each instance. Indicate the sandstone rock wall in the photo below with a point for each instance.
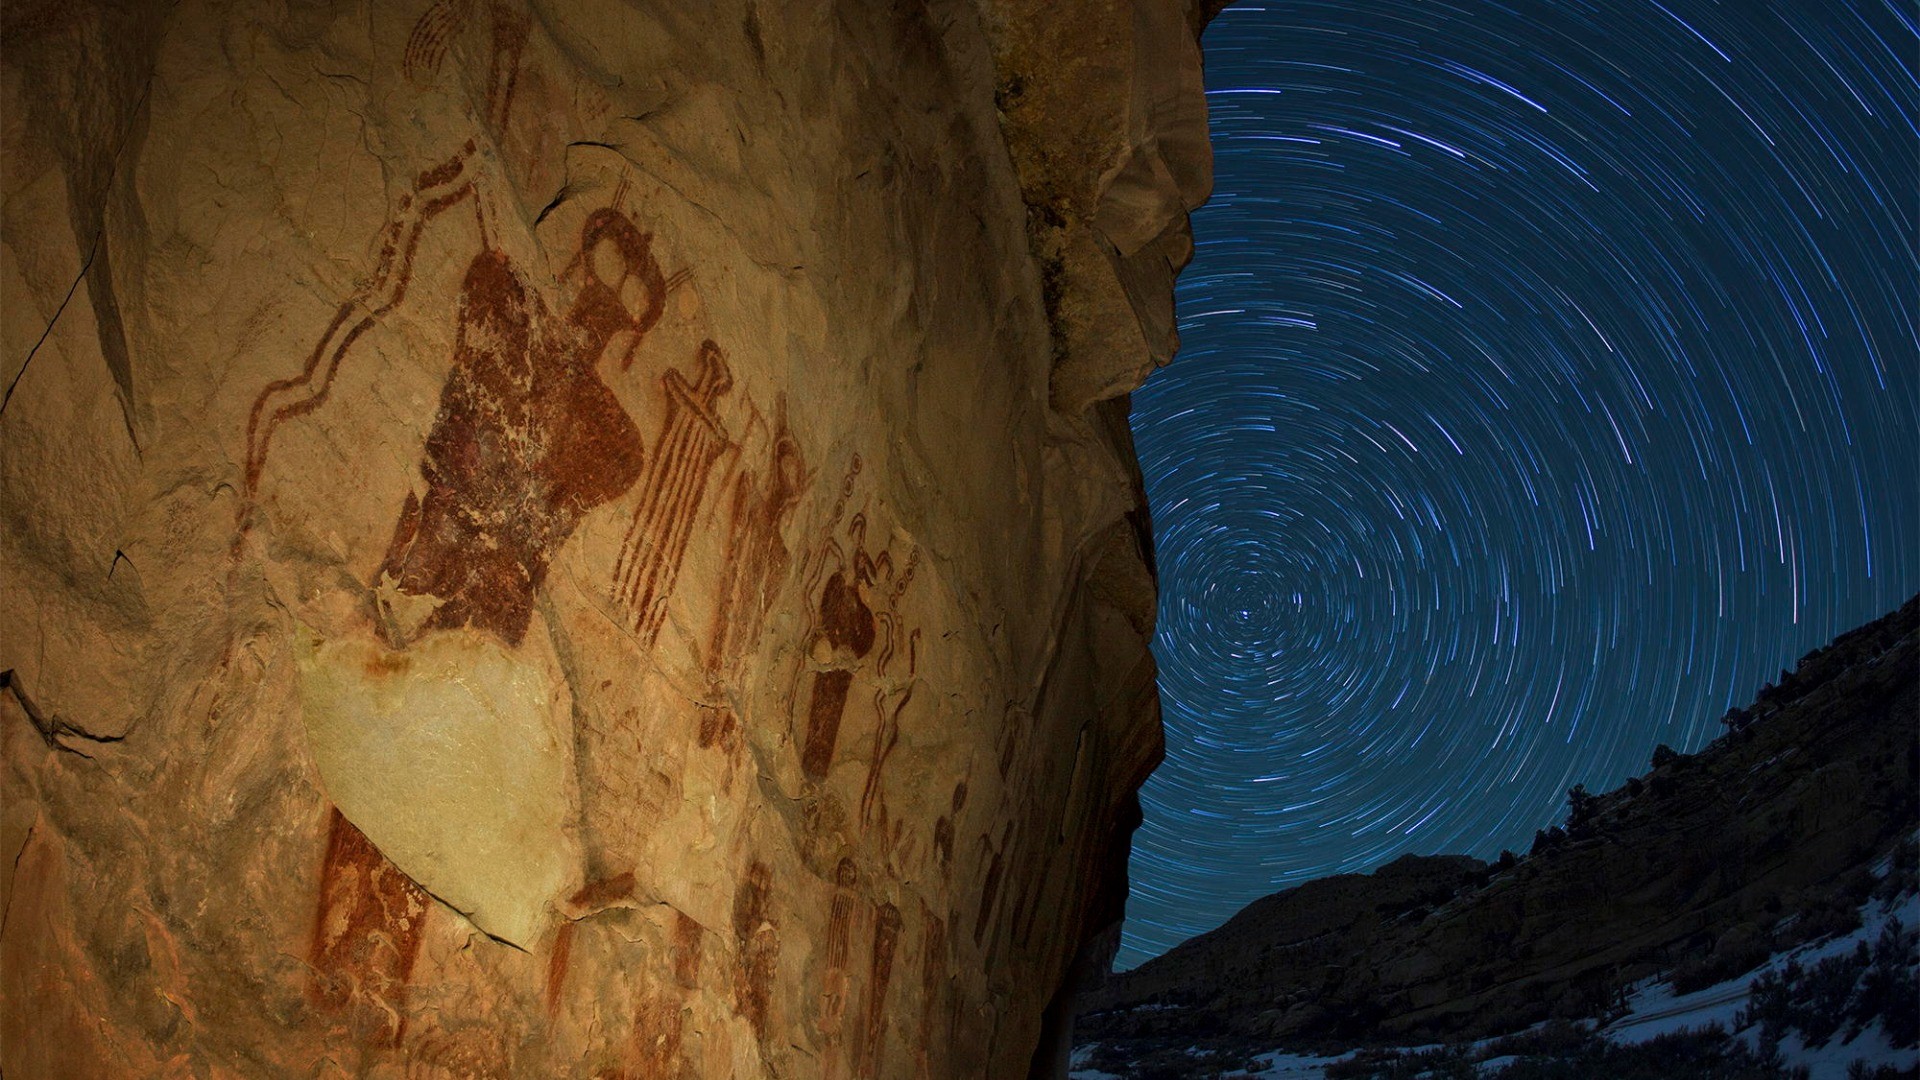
(576, 539)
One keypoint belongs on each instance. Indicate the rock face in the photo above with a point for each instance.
(576, 539)
(1701, 868)
(1283, 941)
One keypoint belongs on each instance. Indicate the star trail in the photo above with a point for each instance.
(1548, 385)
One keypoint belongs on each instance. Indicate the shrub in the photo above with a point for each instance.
(1848, 992)
(1561, 1051)
(1891, 985)
(1582, 808)
(1860, 1070)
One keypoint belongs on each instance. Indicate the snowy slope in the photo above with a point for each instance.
(1655, 1010)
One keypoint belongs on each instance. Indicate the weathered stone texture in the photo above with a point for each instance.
(575, 539)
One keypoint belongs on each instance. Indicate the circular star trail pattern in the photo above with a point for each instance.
(1549, 383)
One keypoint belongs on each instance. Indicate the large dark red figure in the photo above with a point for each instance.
(528, 438)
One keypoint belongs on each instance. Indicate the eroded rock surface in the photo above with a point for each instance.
(581, 539)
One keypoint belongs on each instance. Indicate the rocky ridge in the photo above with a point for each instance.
(1701, 868)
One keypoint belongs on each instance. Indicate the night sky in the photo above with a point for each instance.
(1548, 384)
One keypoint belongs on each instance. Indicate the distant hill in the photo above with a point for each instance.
(1702, 867)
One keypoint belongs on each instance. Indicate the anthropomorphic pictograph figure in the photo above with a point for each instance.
(527, 439)
(692, 439)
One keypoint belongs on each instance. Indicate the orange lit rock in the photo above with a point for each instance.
(580, 539)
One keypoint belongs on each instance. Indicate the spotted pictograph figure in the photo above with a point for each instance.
(528, 437)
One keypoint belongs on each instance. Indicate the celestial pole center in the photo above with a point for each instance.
(1548, 384)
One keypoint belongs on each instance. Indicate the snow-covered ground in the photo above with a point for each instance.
(1277, 1065)
(1657, 1010)
(1294, 1066)
(1654, 1010)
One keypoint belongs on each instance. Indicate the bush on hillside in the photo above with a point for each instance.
(1843, 995)
(1563, 1051)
